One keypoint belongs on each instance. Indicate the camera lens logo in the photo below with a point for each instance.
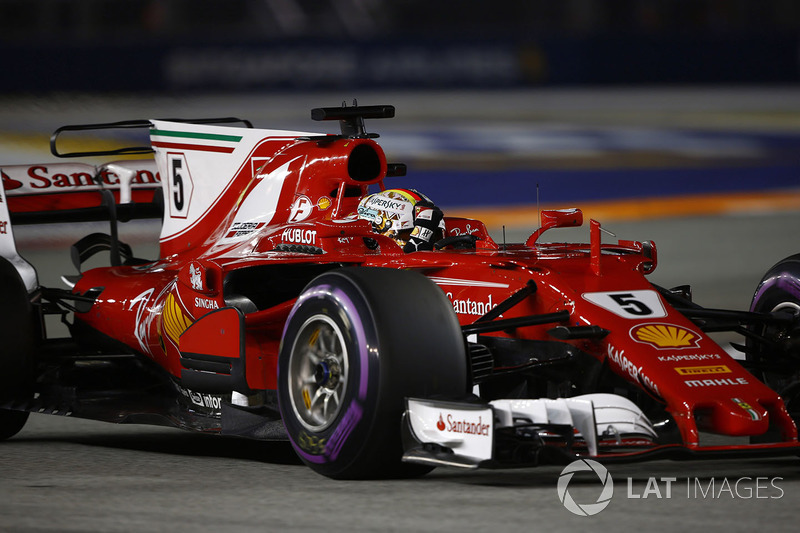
(586, 509)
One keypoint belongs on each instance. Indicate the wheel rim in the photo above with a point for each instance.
(788, 307)
(318, 371)
(781, 333)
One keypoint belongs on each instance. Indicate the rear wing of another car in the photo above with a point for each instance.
(74, 192)
(68, 192)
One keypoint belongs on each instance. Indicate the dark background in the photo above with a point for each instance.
(201, 45)
(581, 100)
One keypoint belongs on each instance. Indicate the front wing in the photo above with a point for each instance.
(533, 432)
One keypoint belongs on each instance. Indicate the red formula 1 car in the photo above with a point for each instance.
(273, 311)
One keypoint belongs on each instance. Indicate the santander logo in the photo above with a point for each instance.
(469, 427)
(10, 183)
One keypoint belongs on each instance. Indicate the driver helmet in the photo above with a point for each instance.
(391, 212)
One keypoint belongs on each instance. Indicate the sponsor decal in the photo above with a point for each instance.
(206, 303)
(472, 307)
(324, 203)
(174, 320)
(721, 382)
(373, 216)
(312, 444)
(39, 179)
(422, 233)
(386, 203)
(9, 184)
(689, 357)
(696, 370)
(747, 407)
(242, 229)
(345, 427)
(664, 336)
(454, 425)
(424, 214)
(635, 372)
(299, 236)
(203, 400)
(196, 277)
(3, 227)
(301, 209)
(468, 230)
(74, 179)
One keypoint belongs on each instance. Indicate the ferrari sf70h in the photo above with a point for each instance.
(275, 311)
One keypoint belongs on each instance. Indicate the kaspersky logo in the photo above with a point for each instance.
(606, 490)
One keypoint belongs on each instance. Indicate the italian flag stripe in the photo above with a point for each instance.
(195, 135)
(198, 147)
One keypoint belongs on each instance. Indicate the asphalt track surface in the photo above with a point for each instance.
(63, 474)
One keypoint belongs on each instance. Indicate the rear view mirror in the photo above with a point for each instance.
(556, 218)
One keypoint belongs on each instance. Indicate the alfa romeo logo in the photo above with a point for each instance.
(586, 509)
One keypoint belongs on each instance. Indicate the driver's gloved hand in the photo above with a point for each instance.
(427, 218)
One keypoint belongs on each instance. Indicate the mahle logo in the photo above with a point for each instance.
(586, 509)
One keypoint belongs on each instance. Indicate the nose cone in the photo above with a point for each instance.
(734, 416)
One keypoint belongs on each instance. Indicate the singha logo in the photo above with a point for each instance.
(196, 278)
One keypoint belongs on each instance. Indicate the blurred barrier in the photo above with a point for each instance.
(498, 187)
(308, 64)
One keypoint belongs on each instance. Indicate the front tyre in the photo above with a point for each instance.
(777, 352)
(356, 344)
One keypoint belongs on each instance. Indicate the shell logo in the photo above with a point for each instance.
(324, 203)
(174, 321)
(665, 336)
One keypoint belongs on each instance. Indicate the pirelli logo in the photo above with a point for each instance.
(698, 370)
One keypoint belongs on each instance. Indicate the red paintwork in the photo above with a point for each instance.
(148, 307)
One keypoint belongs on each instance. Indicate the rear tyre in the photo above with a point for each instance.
(778, 353)
(18, 339)
(357, 343)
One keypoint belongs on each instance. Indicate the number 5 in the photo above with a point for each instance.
(629, 303)
(177, 182)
